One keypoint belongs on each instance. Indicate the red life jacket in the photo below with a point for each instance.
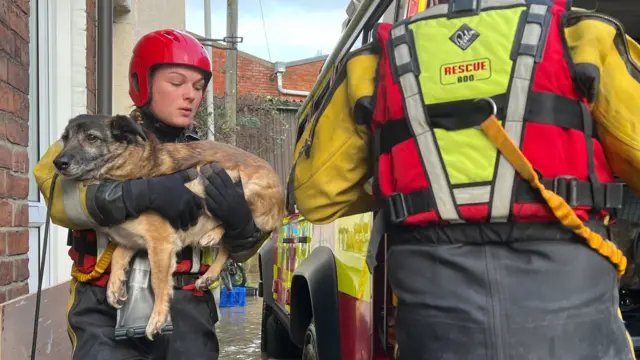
(434, 165)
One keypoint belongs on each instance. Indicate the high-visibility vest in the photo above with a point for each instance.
(434, 164)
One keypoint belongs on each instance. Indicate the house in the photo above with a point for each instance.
(259, 76)
(50, 71)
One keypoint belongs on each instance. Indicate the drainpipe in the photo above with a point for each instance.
(280, 68)
(105, 57)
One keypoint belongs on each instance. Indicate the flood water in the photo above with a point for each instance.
(239, 331)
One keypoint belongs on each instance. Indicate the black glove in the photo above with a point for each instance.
(225, 200)
(167, 195)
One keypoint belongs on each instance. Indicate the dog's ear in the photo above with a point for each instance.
(124, 129)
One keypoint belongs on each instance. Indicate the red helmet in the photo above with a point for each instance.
(164, 47)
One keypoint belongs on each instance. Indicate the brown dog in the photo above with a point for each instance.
(100, 147)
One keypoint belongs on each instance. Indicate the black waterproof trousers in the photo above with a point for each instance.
(92, 321)
(504, 292)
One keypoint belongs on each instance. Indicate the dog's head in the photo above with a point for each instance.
(91, 141)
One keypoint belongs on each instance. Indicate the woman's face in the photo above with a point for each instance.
(176, 92)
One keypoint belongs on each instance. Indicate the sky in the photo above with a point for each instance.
(295, 29)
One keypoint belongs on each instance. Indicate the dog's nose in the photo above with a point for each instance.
(62, 162)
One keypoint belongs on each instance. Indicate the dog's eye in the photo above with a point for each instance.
(92, 138)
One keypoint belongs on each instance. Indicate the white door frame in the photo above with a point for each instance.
(62, 94)
(39, 106)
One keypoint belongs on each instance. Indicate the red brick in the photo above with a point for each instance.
(20, 161)
(4, 12)
(91, 81)
(91, 7)
(21, 215)
(17, 186)
(17, 132)
(3, 126)
(7, 40)
(22, 51)
(91, 102)
(3, 183)
(5, 156)
(17, 291)
(17, 242)
(6, 213)
(3, 67)
(18, 76)
(22, 100)
(21, 269)
(7, 98)
(3, 296)
(6, 272)
(3, 244)
(19, 21)
(23, 5)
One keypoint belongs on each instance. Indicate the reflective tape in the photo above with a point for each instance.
(516, 106)
(472, 195)
(102, 241)
(425, 138)
(72, 203)
(195, 261)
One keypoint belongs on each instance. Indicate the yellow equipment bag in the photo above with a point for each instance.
(331, 165)
(606, 63)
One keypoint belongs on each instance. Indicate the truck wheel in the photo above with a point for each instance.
(275, 340)
(310, 350)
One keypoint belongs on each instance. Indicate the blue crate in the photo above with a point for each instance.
(236, 298)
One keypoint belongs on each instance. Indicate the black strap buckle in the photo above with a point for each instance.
(613, 195)
(182, 280)
(397, 208)
(567, 188)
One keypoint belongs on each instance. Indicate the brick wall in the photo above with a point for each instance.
(301, 77)
(14, 138)
(257, 76)
(91, 55)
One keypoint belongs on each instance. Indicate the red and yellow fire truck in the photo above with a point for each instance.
(322, 301)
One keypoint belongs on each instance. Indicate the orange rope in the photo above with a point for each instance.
(100, 267)
(494, 130)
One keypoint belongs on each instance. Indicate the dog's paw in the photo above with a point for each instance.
(116, 292)
(158, 319)
(212, 237)
(205, 281)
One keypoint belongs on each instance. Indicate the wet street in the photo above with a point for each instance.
(239, 331)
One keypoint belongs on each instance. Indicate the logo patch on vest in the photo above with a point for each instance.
(464, 36)
(467, 71)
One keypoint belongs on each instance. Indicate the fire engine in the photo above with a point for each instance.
(319, 302)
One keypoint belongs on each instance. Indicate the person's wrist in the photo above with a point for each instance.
(247, 231)
(135, 194)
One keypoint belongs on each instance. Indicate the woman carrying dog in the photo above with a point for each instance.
(168, 76)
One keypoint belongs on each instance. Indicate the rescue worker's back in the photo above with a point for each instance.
(481, 266)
